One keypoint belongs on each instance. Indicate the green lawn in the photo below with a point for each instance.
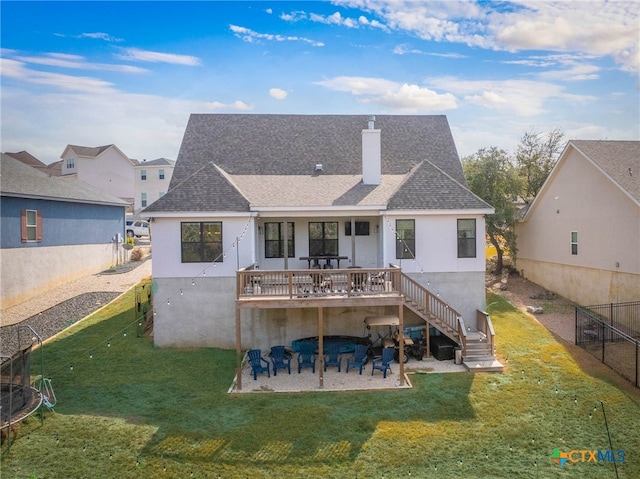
(128, 409)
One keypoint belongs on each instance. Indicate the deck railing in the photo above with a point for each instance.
(305, 283)
(429, 303)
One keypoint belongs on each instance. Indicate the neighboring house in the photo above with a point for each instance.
(52, 231)
(388, 199)
(28, 159)
(151, 181)
(580, 237)
(109, 169)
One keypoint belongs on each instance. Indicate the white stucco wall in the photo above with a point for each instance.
(27, 272)
(194, 302)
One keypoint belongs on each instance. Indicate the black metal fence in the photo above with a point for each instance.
(611, 333)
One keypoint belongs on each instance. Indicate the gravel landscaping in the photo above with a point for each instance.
(55, 319)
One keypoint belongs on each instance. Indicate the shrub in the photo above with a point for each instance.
(136, 254)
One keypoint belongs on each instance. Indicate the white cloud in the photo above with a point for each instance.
(18, 71)
(236, 105)
(392, 95)
(518, 97)
(62, 60)
(335, 18)
(252, 36)
(598, 27)
(92, 35)
(278, 93)
(136, 54)
(143, 126)
(101, 36)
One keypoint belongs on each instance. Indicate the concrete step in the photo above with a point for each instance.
(483, 365)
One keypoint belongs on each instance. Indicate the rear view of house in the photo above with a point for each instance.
(272, 220)
(580, 237)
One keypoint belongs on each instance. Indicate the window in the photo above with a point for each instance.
(71, 163)
(274, 240)
(161, 174)
(405, 239)
(143, 199)
(574, 243)
(201, 242)
(467, 238)
(143, 175)
(31, 226)
(323, 239)
(362, 228)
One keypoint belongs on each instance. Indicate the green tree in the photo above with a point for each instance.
(492, 176)
(536, 155)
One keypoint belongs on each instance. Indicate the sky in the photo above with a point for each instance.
(130, 73)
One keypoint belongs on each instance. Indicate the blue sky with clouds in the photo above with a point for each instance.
(97, 73)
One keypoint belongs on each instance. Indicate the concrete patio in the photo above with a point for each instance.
(333, 380)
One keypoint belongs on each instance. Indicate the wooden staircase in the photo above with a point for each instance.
(477, 345)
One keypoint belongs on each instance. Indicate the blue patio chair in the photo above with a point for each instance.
(307, 357)
(281, 359)
(256, 360)
(332, 356)
(383, 363)
(359, 357)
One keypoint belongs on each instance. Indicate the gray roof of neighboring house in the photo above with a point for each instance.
(90, 151)
(157, 162)
(235, 162)
(23, 181)
(620, 160)
(26, 158)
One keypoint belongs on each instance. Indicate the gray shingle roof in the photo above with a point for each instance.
(269, 160)
(20, 180)
(618, 159)
(90, 151)
(157, 162)
(428, 187)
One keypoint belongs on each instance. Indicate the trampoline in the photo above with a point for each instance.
(18, 398)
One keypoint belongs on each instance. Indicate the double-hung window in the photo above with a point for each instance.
(143, 199)
(405, 239)
(71, 163)
(31, 226)
(467, 238)
(161, 175)
(143, 175)
(574, 243)
(323, 238)
(274, 240)
(201, 242)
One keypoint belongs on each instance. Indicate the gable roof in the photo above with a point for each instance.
(157, 162)
(94, 151)
(618, 160)
(269, 161)
(22, 181)
(27, 158)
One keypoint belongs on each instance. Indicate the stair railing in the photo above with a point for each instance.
(430, 304)
(462, 331)
(486, 326)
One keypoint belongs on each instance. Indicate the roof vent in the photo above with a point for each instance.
(318, 166)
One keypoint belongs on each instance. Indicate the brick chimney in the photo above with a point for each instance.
(371, 154)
